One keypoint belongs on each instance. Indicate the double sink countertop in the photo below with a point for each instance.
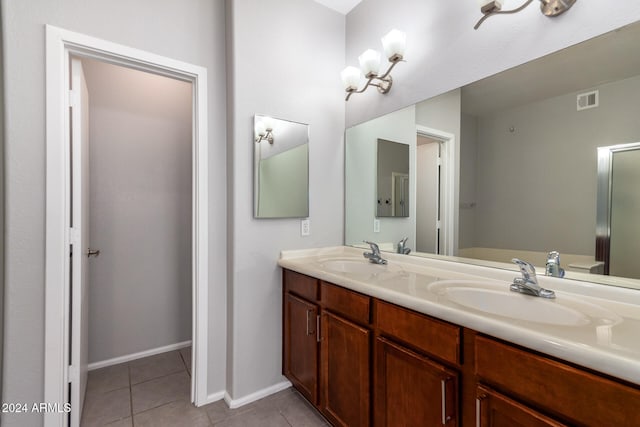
(592, 325)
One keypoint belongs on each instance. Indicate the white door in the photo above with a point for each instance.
(78, 289)
(428, 198)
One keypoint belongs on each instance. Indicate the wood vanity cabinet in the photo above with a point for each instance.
(411, 387)
(300, 335)
(564, 392)
(345, 349)
(365, 362)
(496, 410)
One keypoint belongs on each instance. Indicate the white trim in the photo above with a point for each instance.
(260, 394)
(214, 397)
(449, 203)
(140, 355)
(59, 45)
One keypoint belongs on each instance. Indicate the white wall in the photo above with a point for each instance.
(284, 60)
(445, 52)
(140, 210)
(192, 31)
(360, 176)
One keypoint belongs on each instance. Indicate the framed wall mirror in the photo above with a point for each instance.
(524, 173)
(281, 168)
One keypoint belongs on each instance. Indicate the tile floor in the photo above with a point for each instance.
(154, 391)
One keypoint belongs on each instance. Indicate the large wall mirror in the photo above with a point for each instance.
(513, 160)
(281, 168)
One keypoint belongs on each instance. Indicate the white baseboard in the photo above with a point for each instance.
(214, 397)
(236, 403)
(146, 353)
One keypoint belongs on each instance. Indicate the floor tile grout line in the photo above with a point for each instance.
(130, 395)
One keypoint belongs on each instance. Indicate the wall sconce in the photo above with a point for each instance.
(393, 44)
(549, 8)
(264, 130)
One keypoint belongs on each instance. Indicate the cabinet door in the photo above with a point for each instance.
(412, 390)
(345, 349)
(301, 346)
(495, 410)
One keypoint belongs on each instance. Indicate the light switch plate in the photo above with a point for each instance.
(305, 227)
(376, 225)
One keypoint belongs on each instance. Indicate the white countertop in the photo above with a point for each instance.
(611, 347)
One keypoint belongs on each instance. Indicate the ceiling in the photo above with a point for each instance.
(342, 6)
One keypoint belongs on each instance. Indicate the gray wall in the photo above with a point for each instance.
(468, 179)
(140, 211)
(192, 31)
(285, 57)
(445, 52)
(532, 180)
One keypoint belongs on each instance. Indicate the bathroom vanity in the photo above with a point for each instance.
(425, 342)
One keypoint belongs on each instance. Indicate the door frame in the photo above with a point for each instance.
(448, 200)
(60, 44)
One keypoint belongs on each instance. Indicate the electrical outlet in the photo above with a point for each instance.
(376, 225)
(305, 227)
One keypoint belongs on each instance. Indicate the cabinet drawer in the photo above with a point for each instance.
(352, 305)
(301, 285)
(568, 392)
(432, 336)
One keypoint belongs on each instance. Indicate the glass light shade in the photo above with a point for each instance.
(260, 129)
(351, 78)
(369, 62)
(394, 43)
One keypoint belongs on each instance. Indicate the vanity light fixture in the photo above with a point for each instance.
(393, 44)
(264, 130)
(549, 8)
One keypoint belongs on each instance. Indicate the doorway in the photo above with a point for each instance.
(61, 375)
(435, 198)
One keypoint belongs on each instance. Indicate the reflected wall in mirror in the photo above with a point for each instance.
(281, 168)
(527, 141)
(392, 180)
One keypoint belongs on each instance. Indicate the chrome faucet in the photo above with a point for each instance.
(528, 283)
(402, 247)
(553, 265)
(374, 256)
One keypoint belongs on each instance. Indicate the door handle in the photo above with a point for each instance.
(93, 252)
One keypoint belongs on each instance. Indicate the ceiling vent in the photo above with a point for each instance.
(588, 100)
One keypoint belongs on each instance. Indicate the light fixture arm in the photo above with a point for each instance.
(500, 12)
(383, 82)
(549, 8)
(266, 137)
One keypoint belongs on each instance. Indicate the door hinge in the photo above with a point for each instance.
(438, 225)
(74, 98)
(439, 161)
(73, 236)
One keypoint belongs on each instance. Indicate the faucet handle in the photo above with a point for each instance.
(527, 269)
(553, 257)
(374, 246)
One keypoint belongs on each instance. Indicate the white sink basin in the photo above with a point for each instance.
(500, 301)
